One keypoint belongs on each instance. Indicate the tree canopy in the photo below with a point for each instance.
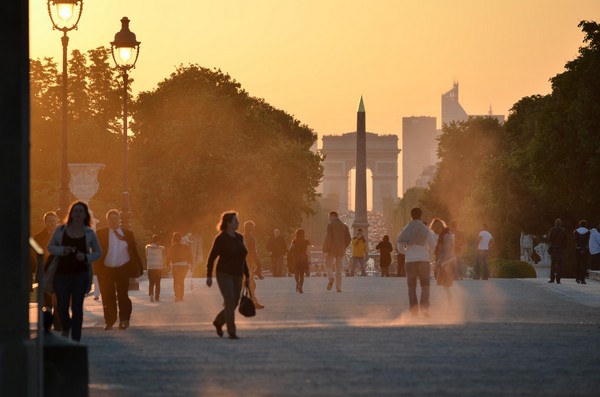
(203, 145)
(542, 164)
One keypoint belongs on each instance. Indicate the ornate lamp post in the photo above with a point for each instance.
(125, 50)
(65, 15)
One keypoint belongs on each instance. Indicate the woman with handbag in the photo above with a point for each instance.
(229, 247)
(75, 247)
(297, 250)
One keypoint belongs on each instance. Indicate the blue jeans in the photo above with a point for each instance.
(420, 270)
(481, 265)
(70, 290)
(231, 289)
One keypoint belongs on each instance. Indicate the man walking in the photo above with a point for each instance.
(417, 241)
(359, 253)
(484, 242)
(557, 238)
(337, 240)
(277, 249)
(120, 261)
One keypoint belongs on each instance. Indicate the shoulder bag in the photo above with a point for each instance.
(247, 308)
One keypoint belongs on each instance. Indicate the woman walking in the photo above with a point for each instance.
(297, 250)
(76, 246)
(155, 261)
(180, 260)
(385, 255)
(445, 256)
(229, 247)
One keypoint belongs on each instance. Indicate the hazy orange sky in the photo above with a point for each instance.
(314, 58)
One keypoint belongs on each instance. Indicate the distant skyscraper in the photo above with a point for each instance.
(418, 148)
(451, 108)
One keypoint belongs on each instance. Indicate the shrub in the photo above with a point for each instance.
(508, 268)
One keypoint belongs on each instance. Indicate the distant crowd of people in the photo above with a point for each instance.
(77, 257)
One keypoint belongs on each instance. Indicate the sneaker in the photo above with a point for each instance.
(330, 284)
(151, 299)
(551, 281)
(124, 324)
(583, 282)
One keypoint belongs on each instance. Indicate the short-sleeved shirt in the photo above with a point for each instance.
(484, 243)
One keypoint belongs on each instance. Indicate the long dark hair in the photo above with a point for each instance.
(226, 218)
(87, 221)
(299, 235)
(441, 237)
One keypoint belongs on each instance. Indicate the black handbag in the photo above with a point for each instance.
(247, 308)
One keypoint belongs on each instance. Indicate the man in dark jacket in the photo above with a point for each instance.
(557, 238)
(277, 249)
(120, 261)
(337, 240)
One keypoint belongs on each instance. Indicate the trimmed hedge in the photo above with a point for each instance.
(508, 268)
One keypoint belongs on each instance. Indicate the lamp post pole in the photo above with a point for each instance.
(125, 215)
(125, 50)
(63, 199)
(61, 12)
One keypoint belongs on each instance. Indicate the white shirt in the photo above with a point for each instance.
(484, 240)
(117, 254)
(155, 256)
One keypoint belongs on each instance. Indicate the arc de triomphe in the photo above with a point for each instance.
(340, 159)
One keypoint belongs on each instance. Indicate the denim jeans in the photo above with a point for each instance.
(420, 270)
(70, 291)
(179, 273)
(481, 265)
(231, 289)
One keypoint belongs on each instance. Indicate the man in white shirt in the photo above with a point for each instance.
(484, 242)
(120, 261)
(416, 241)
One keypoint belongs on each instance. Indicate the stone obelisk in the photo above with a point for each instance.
(360, 198)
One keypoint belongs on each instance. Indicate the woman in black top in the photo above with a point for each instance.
(229, 247)
(297, 250)
(385, 255)
(76, 246)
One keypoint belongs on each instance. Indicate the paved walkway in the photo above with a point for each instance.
(497, 338)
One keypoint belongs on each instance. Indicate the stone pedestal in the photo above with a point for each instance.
(84, 183)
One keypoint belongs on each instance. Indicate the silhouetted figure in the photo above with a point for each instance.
(179, 258)
(297, 251)
(385, 255)
(337, 240)
(277, 249)
(229, 247)
(43, 238)
(155, 263)
(120, 261)
(444, 256)
(416, 241)
(595, 247)
(76, 245)
(252, 259)
(582, 250)
(557, 238)
(484, 243)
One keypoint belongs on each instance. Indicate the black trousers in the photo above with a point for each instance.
(582, 264)
(114, 288)
(231, 289)
(154, 277)
(556, 254)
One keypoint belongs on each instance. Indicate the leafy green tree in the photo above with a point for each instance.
(203, 145)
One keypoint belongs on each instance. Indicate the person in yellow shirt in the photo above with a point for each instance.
(359, 253)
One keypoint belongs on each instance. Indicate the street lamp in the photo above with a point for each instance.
(125, 50)
(65, 15)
